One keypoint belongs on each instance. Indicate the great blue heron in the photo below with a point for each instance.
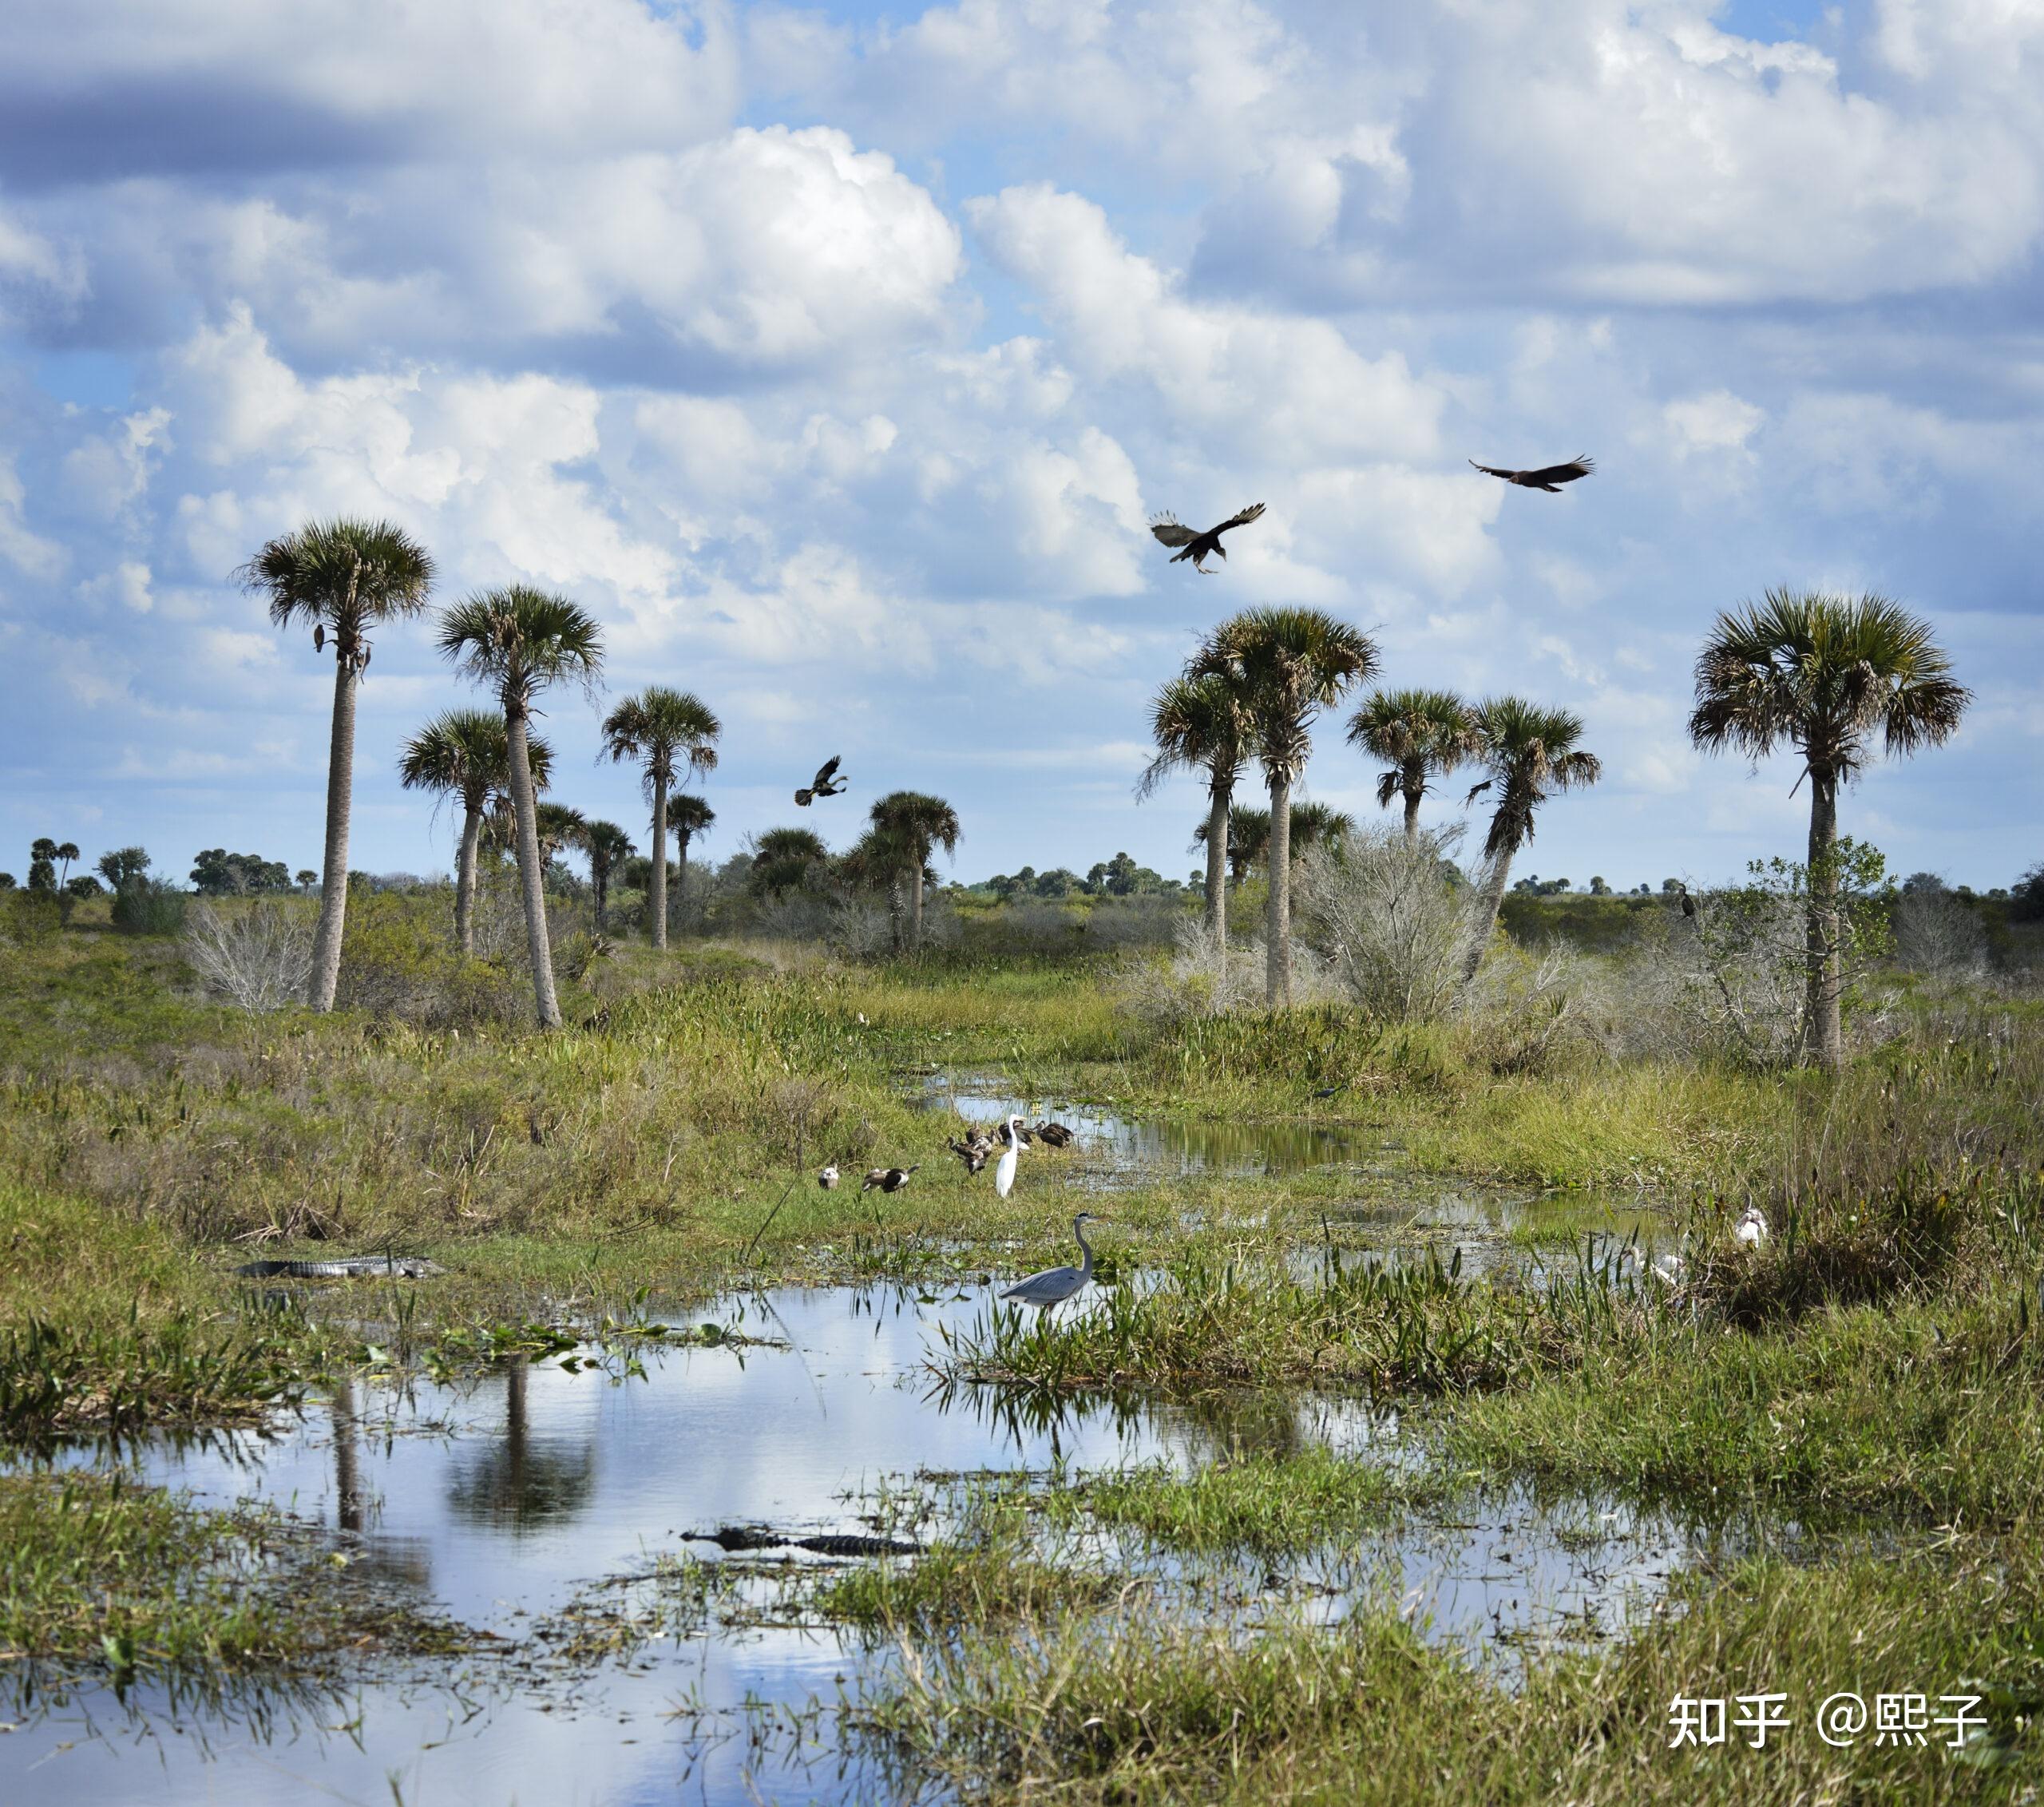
(1055, 1285)
(1004, 1175)
(888, 1179)
(1198, 546)
(1549, 478)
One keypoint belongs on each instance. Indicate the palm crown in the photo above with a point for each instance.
(664, 728)
(1420, 731)
(1823, 673)
(1532, 753)
(340, 575)
(521, 641)
(465, 753)
(689, 817)
(1198, 721)
(919, 821)
(1290, 664)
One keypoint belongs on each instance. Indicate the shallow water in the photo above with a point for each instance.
(503, 1501)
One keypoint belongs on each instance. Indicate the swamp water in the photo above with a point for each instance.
(517, 1504)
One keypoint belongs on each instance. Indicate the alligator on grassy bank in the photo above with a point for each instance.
(343, 1267)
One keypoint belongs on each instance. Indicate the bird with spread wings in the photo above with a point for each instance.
(821, 785)
(1550, 477)
(1196, 546)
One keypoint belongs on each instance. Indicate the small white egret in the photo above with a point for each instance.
(1004, 1175)
(1752, 1227)
(1055, 1285)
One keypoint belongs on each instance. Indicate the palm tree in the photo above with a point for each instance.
(557, 825)
(1530, 753)
(608, 847)
(1420, 731)
(918, 822)
(688, 817)
(658, 727)
(341, 577)
(66, 852)
(1249, 840)
(1289, 664)
(1822, 674)
(1200, 722)
(1315, 825)
(463, 753)
(519, 642)
(783, 858)
(880, 859)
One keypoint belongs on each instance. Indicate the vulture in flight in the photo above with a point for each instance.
(1196, 546)
(1476, 790)
(822, 785)
(1550, 479)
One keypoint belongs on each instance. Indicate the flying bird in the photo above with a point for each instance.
(822, 785)
(1196, 546)
(1550, 479)
(888, 1179)
(1476, 790)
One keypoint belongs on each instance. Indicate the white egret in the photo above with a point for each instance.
(1752, 1227)
(1004, 1175)
(1055, 1285)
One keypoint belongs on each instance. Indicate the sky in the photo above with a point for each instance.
(835, 359)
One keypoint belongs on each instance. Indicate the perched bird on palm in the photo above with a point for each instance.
(1549, 478)
(1199, 547)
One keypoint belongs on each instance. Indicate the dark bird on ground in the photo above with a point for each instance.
(828, 1179)
(1198, 546)
(888, 1179)
(1012, 1132)
(1688, 903)
(1476, 790)
(971, 1153)
(822, 785)
(1550, 479)
(1056, 1135)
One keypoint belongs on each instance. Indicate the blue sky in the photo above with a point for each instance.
(834, 359)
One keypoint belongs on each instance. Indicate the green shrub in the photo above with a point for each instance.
(148, 908)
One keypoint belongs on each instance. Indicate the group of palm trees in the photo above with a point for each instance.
(1820, 674)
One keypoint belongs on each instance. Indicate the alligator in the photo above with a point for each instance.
(344, 1267)
(737, 1537)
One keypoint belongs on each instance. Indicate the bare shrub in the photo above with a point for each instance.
(861, 929)
(1937, 935)
(1200, 977)
(260, 957)
(1391, 931)
(1523, 1009)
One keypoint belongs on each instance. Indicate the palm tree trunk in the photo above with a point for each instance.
(1216, 863)
(1413, 793)
(465, 874)
(599, 883)
(656, 900)
(334, 876)
(1277, 914)
(525, 806)
(680, 872)
(916, 909)
(1486, 924)
(1823, 1030)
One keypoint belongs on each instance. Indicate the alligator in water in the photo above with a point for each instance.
(344, 1267)
(737, 1537)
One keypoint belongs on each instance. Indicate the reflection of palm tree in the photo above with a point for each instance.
(520, 1485)
(348, 1471)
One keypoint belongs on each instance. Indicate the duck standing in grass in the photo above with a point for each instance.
(828, 1179)
(1055, 1285)
(888, 1179)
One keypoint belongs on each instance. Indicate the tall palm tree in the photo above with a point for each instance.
(341, 578)
(66, 852)
(1290, 664)
(519, 642)
(1530, 753)
(608, 847)
(1823, 674)
(690, 817)
(880, 859)
(463, 753)
(665, 731)
(1420, 732)
(920, 823)
(1200, 722)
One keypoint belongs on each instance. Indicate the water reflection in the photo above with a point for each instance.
(509, 1499)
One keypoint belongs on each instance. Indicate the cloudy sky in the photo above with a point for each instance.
(834, 359)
